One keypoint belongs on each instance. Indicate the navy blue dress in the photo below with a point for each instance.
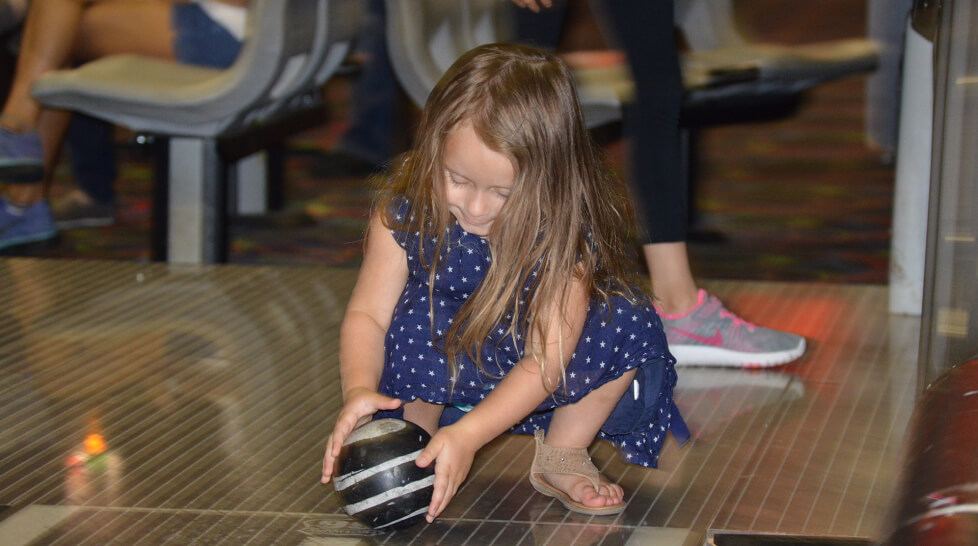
(615, 339)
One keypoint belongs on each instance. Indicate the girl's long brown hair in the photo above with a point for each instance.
(563, 219)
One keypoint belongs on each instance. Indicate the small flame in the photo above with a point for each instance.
(94, 444)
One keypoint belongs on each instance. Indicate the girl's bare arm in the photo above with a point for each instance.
(524, 388)
(382, 278)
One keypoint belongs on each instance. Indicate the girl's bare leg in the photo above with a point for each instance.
(424, 414)
(576, 426)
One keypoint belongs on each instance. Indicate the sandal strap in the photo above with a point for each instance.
(563, 460)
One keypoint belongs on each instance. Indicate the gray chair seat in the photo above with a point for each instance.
(751, 72)
(146, 94)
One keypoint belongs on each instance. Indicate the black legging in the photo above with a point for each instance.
(644, 29)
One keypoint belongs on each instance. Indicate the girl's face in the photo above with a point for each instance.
(478, 180)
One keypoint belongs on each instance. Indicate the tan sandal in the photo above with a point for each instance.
(567, 460)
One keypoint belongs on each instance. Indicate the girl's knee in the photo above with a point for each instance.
(424, 414)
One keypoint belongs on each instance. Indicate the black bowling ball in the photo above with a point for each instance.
(376, 478)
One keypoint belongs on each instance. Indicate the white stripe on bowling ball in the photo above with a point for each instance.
(390, 494)
(374, 429)
(416, 513)
(346, 480)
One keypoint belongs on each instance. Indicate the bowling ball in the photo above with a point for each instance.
(376, 478)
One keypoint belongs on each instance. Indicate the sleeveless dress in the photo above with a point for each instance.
(615, 339)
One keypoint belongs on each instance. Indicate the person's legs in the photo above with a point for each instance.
(644, 29)
(197, 40)
(576, 426)
(25, 218)
(57, 33)
(46, 44)
(51, 124)
(112, 27)
(672, 280)
(91, 154)
(374, 103)
(89, 143)
(699, 329)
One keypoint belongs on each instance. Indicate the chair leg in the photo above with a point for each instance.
(197, 230)
(249, 175)
(275, 176)
(160, 209)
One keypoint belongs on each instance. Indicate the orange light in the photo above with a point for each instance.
(94, 444)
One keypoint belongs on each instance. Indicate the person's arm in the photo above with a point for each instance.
(534, 5)
(382, 278)
(520, 392)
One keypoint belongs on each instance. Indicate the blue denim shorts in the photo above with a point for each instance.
(199, 40)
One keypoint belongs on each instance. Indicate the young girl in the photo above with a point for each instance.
(492, 296)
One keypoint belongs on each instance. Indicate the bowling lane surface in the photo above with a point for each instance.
(152, 404)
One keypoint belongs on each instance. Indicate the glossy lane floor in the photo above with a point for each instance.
(155, 404)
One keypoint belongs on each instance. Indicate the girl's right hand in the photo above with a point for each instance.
(360, 405)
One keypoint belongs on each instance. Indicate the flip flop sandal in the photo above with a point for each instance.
(567, 460)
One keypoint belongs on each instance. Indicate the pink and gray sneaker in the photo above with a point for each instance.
(709, 335)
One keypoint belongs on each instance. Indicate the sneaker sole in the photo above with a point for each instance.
(83, 223)
(35, 242)
(21, 174)
(701, 355)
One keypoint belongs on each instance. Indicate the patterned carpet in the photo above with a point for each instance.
(798, 199)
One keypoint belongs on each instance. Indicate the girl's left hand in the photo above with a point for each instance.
(452, 452)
